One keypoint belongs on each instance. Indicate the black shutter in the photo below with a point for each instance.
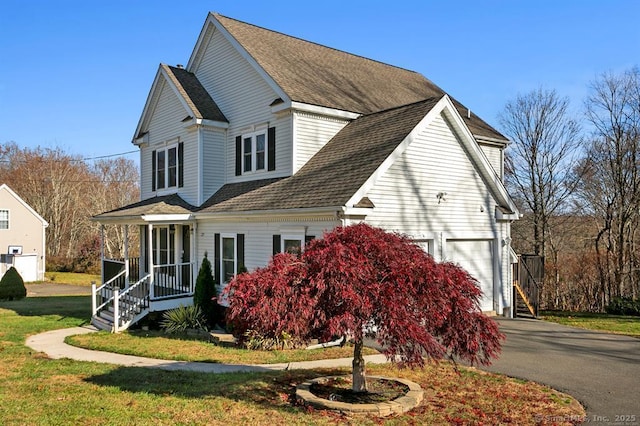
(308, 239)
(153, 170)
(240, 254)
(276, 244)
(180, 164)
(216, 258)
(238, 155)
(271, 148)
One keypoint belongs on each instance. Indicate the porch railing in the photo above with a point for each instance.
(173, 280)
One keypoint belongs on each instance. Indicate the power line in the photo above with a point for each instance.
(74, 160)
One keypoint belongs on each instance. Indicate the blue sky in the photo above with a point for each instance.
(76, 74)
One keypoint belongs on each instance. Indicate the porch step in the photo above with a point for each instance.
(101, 323)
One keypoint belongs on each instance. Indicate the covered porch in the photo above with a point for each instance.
(153, 267)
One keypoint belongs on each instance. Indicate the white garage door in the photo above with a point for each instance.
(476, 256)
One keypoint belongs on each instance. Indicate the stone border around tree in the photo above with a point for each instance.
(399, 405)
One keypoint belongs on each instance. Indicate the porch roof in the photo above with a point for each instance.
(165, 205)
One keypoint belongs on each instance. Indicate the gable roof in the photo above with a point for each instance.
(5, 187)
(337, 171)
(195, 99)
(167, 205)
(314, 74)
(194, 94)
(342, 171)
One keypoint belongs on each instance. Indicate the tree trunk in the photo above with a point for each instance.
(359, 379)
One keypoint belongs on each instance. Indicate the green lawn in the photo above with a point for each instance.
(157, 344)
(618, 324)
(35, 390)
(71, 278)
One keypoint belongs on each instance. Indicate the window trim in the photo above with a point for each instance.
(291, 237)
(234, 237)
(8, 220)
(253, 137)
(164, 152)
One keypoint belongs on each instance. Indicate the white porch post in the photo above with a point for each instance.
(126, 256)
(101, 253)
(194, 255)
(150, 254)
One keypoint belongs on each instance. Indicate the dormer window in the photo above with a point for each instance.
(256, 151)
(167, 167)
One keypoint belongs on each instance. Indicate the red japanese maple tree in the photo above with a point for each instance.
(359, 279)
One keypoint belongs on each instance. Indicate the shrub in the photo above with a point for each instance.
(624, 306)
(12, 286)
(205, 292)
(181, 319)
(254, 340)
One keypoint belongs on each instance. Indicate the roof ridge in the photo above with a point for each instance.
(421, 101)
(318, 44)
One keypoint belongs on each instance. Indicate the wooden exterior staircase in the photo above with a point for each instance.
(528, 276)
(114, 308)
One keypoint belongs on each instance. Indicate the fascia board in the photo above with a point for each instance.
(477, 155)
(167, 218)
(320, 110)
(149, 105)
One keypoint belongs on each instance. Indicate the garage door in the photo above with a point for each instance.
(476, 256)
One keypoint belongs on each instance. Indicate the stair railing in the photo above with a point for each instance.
(129, 302)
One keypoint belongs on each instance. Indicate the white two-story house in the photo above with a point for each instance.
(264, 141)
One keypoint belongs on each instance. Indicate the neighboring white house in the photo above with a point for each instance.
(22, 237)
(264, 141)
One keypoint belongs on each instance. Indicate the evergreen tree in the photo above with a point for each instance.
(12, 286)
(205, 292)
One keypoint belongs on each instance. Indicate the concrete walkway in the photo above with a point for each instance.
(52, 343)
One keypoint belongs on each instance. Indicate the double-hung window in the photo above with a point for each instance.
(228, 257)
(256, 151)
(254, 154)
(4, 219)
(167, 167)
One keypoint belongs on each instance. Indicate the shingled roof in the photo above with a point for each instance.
(168, 204)
(318, 75)
(196, 96)
(332, 176)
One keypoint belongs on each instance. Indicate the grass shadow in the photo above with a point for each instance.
(78, 307)
(268, 389)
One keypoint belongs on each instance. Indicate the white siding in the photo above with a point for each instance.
(244, 98)
(258, 237)
(406, 196)
(461, 222)
(312, 132)
(213, 162)
(494, 155)
(166, 128)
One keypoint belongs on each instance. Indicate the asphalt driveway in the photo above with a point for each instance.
(601, 370)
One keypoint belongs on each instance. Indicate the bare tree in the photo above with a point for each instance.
(611, 191)
(66, 191)
(540, 164)
(116, 185)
